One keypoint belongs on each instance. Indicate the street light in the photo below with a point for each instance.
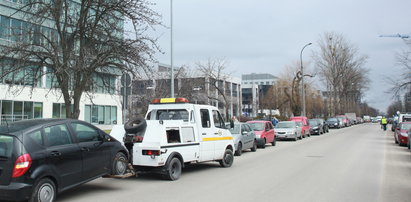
(171, 41)
(302, 81)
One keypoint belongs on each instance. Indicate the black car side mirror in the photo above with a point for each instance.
(107, 138)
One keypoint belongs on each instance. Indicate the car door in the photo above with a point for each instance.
(63, 154)
(245, 136)
(220, 134)
(94, 150)
(207, 136)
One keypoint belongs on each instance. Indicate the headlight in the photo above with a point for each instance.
(335, 124)
(315, 128)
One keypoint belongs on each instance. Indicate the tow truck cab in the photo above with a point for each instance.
(177, 133)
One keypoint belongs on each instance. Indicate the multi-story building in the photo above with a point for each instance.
(30, 99)
(191, 85)
(254, 88)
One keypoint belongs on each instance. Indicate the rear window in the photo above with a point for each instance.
(6, 146)
(172, 114)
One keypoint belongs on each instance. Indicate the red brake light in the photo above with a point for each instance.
(151, 152)
(21, 165)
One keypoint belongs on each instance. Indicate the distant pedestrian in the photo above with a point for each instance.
(234, 119)
(384, 123)
(274, 121)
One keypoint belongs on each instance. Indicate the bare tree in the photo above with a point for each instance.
(79, 42)
(341, 69)
(214, 72)
(402, 81)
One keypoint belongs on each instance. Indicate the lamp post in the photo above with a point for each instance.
(171, 52)
(302, 81)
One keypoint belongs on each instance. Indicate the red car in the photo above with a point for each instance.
(264, 131)
(346, 121)
(305, 128)
(401, 133)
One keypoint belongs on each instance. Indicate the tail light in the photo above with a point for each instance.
(21, 165)
(151, 152)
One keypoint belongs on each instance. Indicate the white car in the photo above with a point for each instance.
(288, 130)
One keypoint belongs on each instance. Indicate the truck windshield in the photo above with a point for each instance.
(172, 114)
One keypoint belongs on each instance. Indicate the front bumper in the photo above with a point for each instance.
(15, 192)
(284, 136)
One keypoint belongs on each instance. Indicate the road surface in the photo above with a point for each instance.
(359, 163)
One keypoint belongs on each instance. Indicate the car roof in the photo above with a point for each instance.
(258, 121)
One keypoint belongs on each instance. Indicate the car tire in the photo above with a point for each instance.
(44, 190)
(239, 149)
(296, 138)
(135, 125)
(173, 169)
(264, 143)
(254, 148)
(228, 159)
(120, 163)
(274, 142)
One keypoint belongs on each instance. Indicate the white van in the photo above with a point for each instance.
(178, 133)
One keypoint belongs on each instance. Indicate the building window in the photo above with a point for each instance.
(59, 110)
(11, 111)
(100, 114)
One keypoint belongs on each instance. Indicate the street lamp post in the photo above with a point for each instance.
(171, 51)
(302, 81)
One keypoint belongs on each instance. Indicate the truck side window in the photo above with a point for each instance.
(205, 118)
(192, 119)
(218, 120)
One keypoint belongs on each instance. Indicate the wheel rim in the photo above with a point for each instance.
(46, 193)
(240, 147)
(121, 165)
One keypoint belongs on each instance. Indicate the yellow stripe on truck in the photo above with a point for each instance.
(216, 138)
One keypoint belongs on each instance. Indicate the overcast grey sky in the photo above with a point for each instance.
(263, 36)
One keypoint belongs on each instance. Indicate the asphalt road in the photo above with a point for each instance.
(359, 163)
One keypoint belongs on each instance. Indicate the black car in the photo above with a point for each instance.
(315, 127)
(42, 157)
(323, 125)
(333, 123)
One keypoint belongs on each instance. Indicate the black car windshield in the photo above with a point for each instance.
(406, 126)
(6, 146)
(235, 130)
(332, 120)
(285, 125)
(257, 126)
(312, 122)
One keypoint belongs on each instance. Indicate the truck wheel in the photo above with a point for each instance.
(135, 125)
(44, 190)
(120, 163)
(239, 149)
(173, 171)
(254, 148)
(228, 159)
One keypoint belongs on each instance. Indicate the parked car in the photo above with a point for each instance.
(244, 138)
(264, 132)
(333, 123)
(315, 127)
(287, 130)
(345, 120)
(401, 133)
(42, 157)
(323, 125)
(305, 128)
(341, 122)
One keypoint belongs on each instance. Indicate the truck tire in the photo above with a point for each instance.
(135, 125)
(44, 190)
(173, 169)
(228, 159)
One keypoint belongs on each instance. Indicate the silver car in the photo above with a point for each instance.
(288, 130)
(244, 138)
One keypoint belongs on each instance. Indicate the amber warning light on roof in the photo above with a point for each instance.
(169, 100)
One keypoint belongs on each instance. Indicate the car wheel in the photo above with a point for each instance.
(239, 149)
(274, 142)
(120, 163)
(228, 159)
(254, 148)
(295, 138)
(44, 191)
(173, 170)
(264, 143)
(135, 125)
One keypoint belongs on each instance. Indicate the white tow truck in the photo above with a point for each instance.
(177, 133)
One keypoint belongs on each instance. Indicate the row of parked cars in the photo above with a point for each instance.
(402, 130)
(40, 158)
